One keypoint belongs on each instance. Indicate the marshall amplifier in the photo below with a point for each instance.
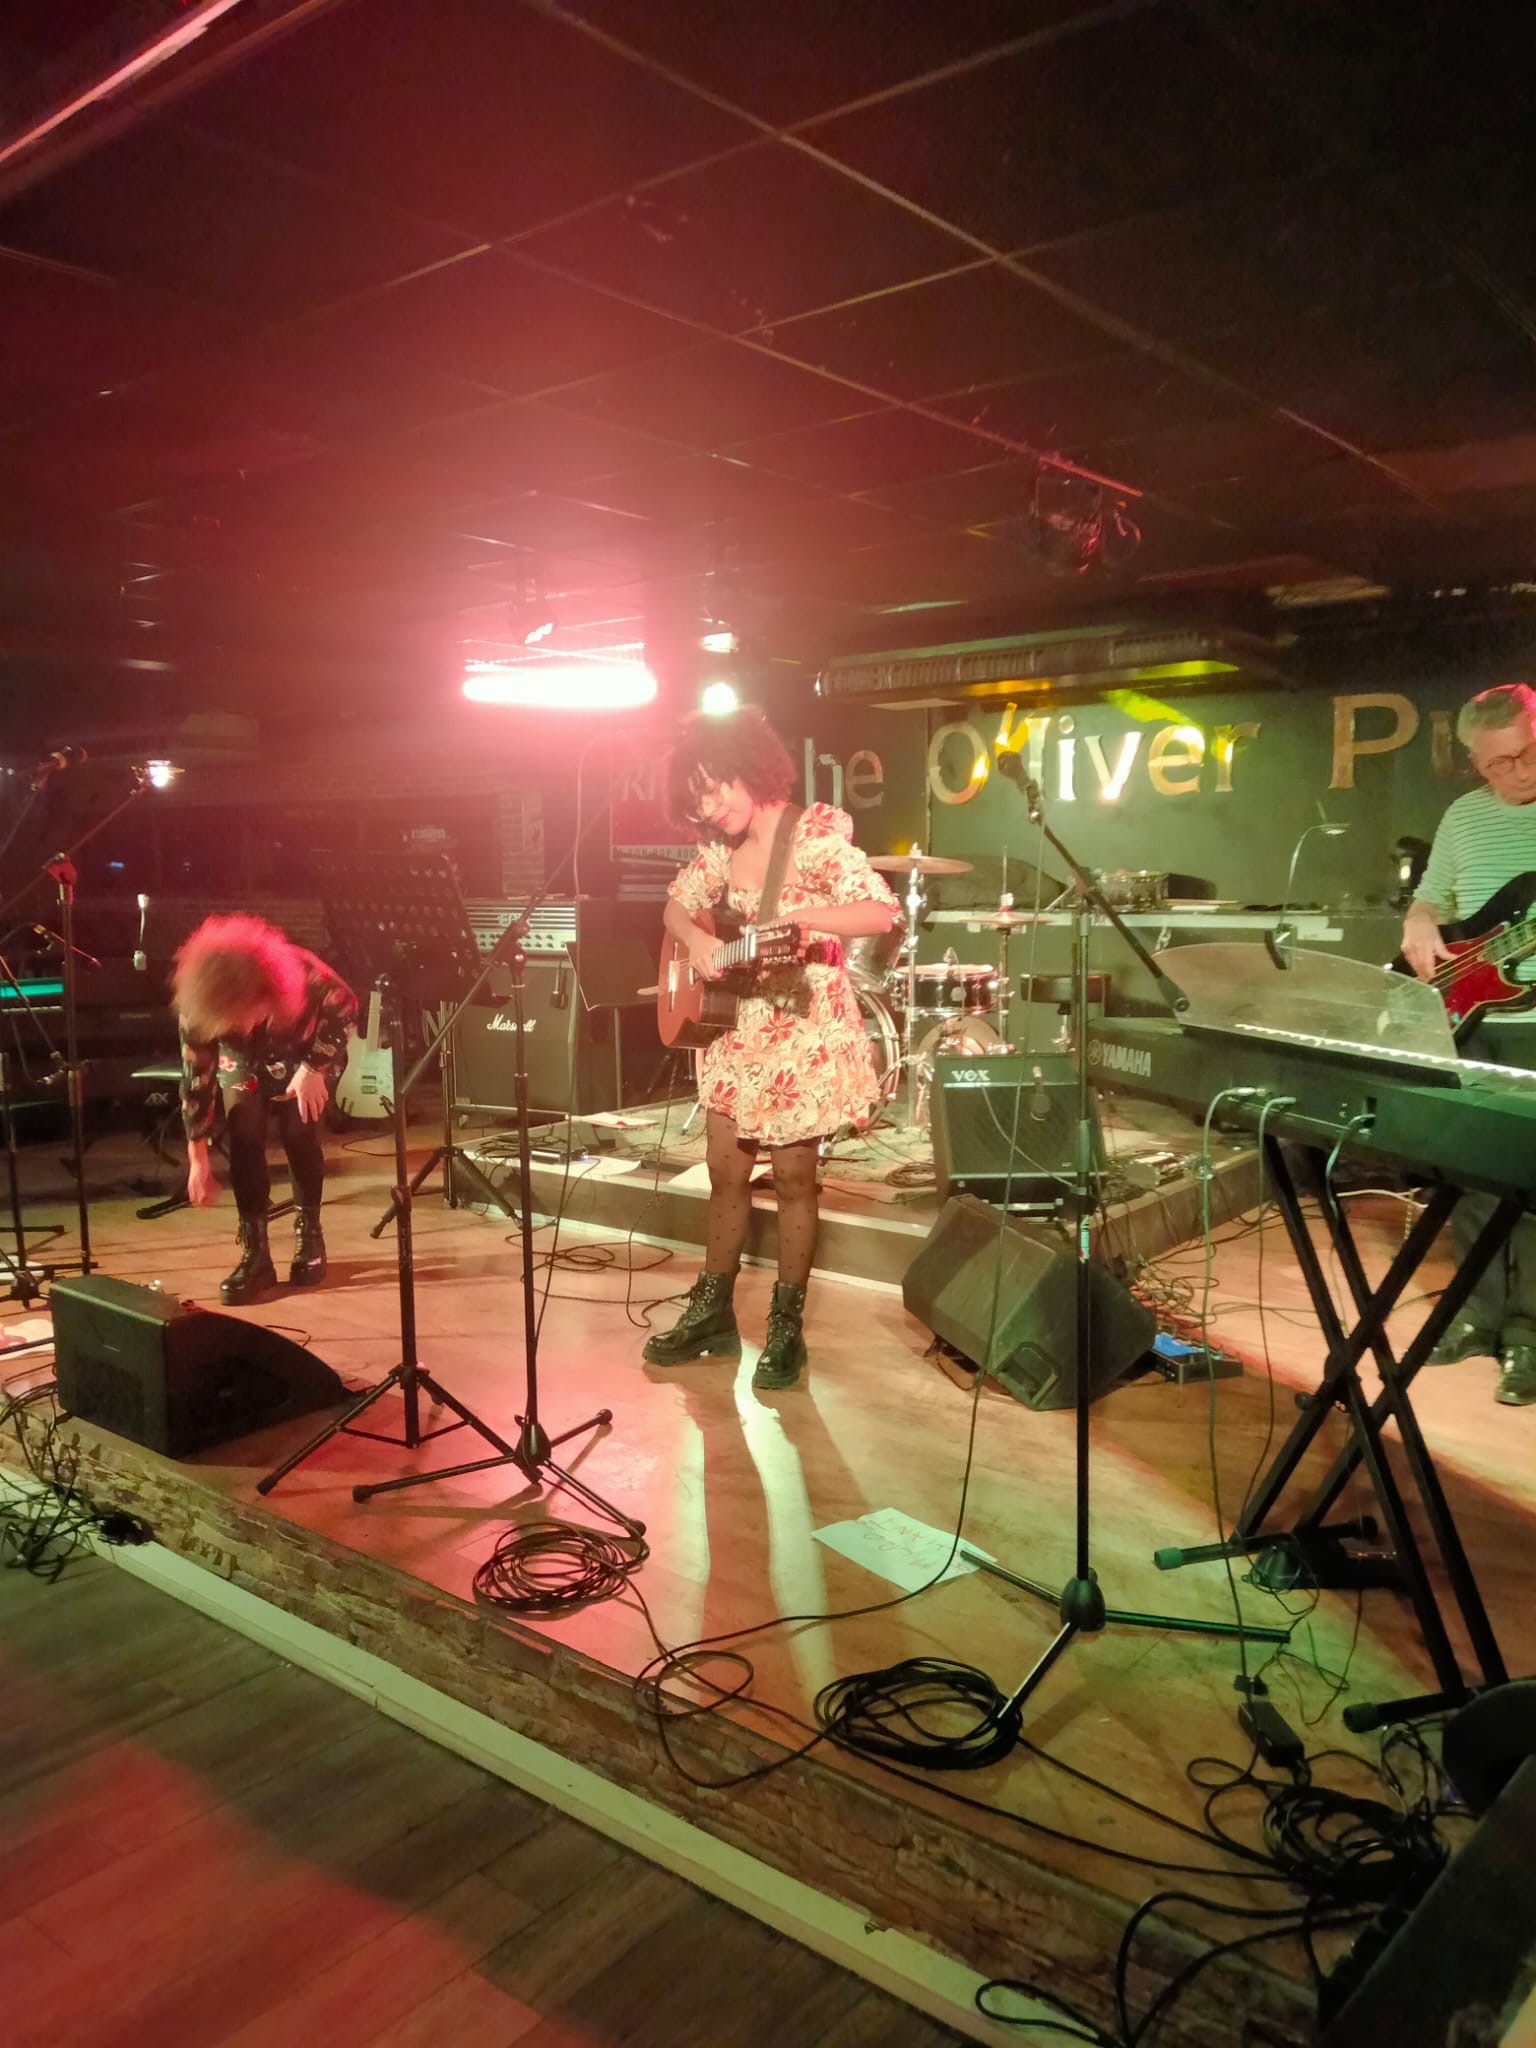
(581, 1057)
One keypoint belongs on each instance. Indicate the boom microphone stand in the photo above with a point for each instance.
(1080, 1605)
(60, 870)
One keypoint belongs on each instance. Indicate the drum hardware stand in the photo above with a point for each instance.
(1080, 1604)
(427, 891)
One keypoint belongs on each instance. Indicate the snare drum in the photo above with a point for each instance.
(948, 988)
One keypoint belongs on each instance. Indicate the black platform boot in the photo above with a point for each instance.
(308, 1268)
(706, 1327)
(255, 1276)
(784, 1353)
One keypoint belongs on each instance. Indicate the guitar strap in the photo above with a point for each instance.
(778, 861)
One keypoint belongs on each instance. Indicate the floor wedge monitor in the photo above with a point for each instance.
(172, 1377)
(977, 1257)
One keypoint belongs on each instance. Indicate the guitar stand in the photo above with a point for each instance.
(1313, 1551)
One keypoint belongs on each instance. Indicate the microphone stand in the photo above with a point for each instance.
(533, 1451)
(60, 869)
(1080, 1604)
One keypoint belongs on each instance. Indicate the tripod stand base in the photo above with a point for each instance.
(533, 1456)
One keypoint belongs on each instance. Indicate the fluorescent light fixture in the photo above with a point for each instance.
(560, 684)
(720, 642)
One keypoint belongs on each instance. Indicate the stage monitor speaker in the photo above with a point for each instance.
(173, 1377)
(953, 1282)
(1005, 1126)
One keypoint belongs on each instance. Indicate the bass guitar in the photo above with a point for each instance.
(691, 1011)
(1485, 949)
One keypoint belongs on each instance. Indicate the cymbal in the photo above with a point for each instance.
(1000, 920)
(918, 863)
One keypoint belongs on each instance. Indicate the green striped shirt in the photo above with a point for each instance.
(1482, 843)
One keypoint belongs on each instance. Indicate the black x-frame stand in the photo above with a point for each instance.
(1312, 1551)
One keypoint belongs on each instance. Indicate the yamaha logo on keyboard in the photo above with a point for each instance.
(1122, 1059)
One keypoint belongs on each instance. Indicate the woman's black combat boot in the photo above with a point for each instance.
(706, 1327)
(784, 1352)
(255, 1276)
(308, 1268)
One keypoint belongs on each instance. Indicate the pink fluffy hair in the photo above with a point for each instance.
(230, 966)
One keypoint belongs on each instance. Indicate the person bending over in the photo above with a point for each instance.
(796, 1066)
(264, 1024)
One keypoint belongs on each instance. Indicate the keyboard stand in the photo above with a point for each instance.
(1312, 1551)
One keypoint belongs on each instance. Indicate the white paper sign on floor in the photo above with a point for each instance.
(907, 1552)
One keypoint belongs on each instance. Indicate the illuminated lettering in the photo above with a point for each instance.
(1225, 741)
(1112, 781)
(976, 763)
(1348, 745)
(864, 780)
(1175, 759)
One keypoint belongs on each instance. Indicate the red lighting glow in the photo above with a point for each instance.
(560, 684)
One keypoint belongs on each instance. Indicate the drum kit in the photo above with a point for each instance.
(913, 1013)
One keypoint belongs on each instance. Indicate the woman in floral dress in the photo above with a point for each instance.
(796, 1066)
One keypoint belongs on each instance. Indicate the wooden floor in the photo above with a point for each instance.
(732, 1486)
(204, 1846)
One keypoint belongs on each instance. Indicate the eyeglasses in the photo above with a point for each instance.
(1508, 764)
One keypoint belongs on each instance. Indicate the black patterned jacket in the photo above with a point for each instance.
(263, 1061)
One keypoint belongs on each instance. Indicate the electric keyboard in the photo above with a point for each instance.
(1463, 1121)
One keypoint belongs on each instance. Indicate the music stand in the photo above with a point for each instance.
(403, 920)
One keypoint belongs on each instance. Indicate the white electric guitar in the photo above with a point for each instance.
(367, 1084)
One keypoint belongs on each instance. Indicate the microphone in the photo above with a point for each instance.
(140, 956)
(1039, 1101)
(64, 946)
(1012, 765)
(56, 762)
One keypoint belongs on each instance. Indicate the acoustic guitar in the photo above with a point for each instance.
(691, 1011)
(1486, 948)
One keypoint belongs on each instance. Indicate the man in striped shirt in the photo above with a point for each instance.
(1485, 839)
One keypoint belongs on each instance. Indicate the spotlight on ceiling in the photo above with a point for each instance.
(719, 699)
(559, 684)
(719, 641)
(1073, 522)
(160, 774)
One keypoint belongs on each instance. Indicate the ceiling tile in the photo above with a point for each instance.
(505, 325)
(486, 114)
(313, 384)
(161, 208)
(65, 337)
(1443, 367)
(978, 327)
(721, 393)
(544, 522)
(801, 57)
(746, 242)
(1237, 261)
(116, 450)
(507, 448)
(1139, 112)
(967, 497)
(864, 453)
(1108, 398)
